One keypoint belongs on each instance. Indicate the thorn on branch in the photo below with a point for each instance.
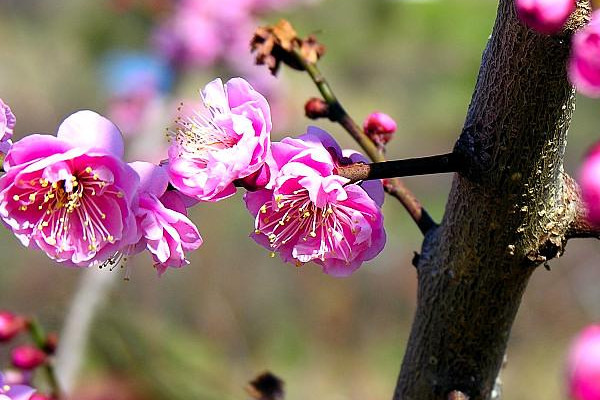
(266, 386)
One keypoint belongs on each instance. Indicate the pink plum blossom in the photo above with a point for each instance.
(583, 365)
(71, 195)
(584, 65)
(10, 325)
(545, 16)
(163, 226)
(589, 180)
(312, 214)
(7, 124)
(230, 141)
(14, 392)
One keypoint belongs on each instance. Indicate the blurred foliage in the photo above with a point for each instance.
(204, 331)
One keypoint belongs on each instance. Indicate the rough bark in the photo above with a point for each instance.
(508, 211)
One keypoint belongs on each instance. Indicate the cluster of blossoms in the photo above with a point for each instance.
(73, 197)
(15, 383)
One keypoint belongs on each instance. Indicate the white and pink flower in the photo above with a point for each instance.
(71, 195)
(163, 226)
(312, 214)
(228, 141)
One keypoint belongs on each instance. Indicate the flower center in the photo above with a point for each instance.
(294, 218)
(197, 135)
(67, 206)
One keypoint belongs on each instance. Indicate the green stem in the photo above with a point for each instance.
(393, 186)
(39, 337)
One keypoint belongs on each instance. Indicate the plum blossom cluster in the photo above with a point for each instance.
(25, 359)
(72, 196)
(302, 209)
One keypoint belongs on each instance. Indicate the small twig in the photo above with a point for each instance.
(394, 186)
(437, 164)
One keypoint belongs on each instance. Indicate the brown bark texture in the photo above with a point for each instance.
(509, 210)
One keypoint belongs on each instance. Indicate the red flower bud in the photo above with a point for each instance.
(10, 325)
(380, 127)
(316, 108)
(27, 357)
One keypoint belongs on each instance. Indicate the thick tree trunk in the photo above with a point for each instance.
(508, 211)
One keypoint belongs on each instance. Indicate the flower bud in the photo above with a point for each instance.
(545, 16)
(589, 180)
(584, 64)
(583, 365)
(316, 108)
(27, 357)
(380, 127)
(10, 325)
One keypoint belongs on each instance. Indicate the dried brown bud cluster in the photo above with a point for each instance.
(279, 43)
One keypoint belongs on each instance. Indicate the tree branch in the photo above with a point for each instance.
(507, 212)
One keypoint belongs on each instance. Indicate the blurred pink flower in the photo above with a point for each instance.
(209, 151)
(7, 124)
(312, 214)
(71, 195)
(380, 127)
(584, 65)
(545, 16)
(14, 392)
(10, 325)
(583, 365)
(589, 180)
(204, 32)
(163, 226)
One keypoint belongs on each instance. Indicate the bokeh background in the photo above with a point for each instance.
(203, 331)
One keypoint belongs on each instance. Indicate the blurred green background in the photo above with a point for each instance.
(203, 331)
